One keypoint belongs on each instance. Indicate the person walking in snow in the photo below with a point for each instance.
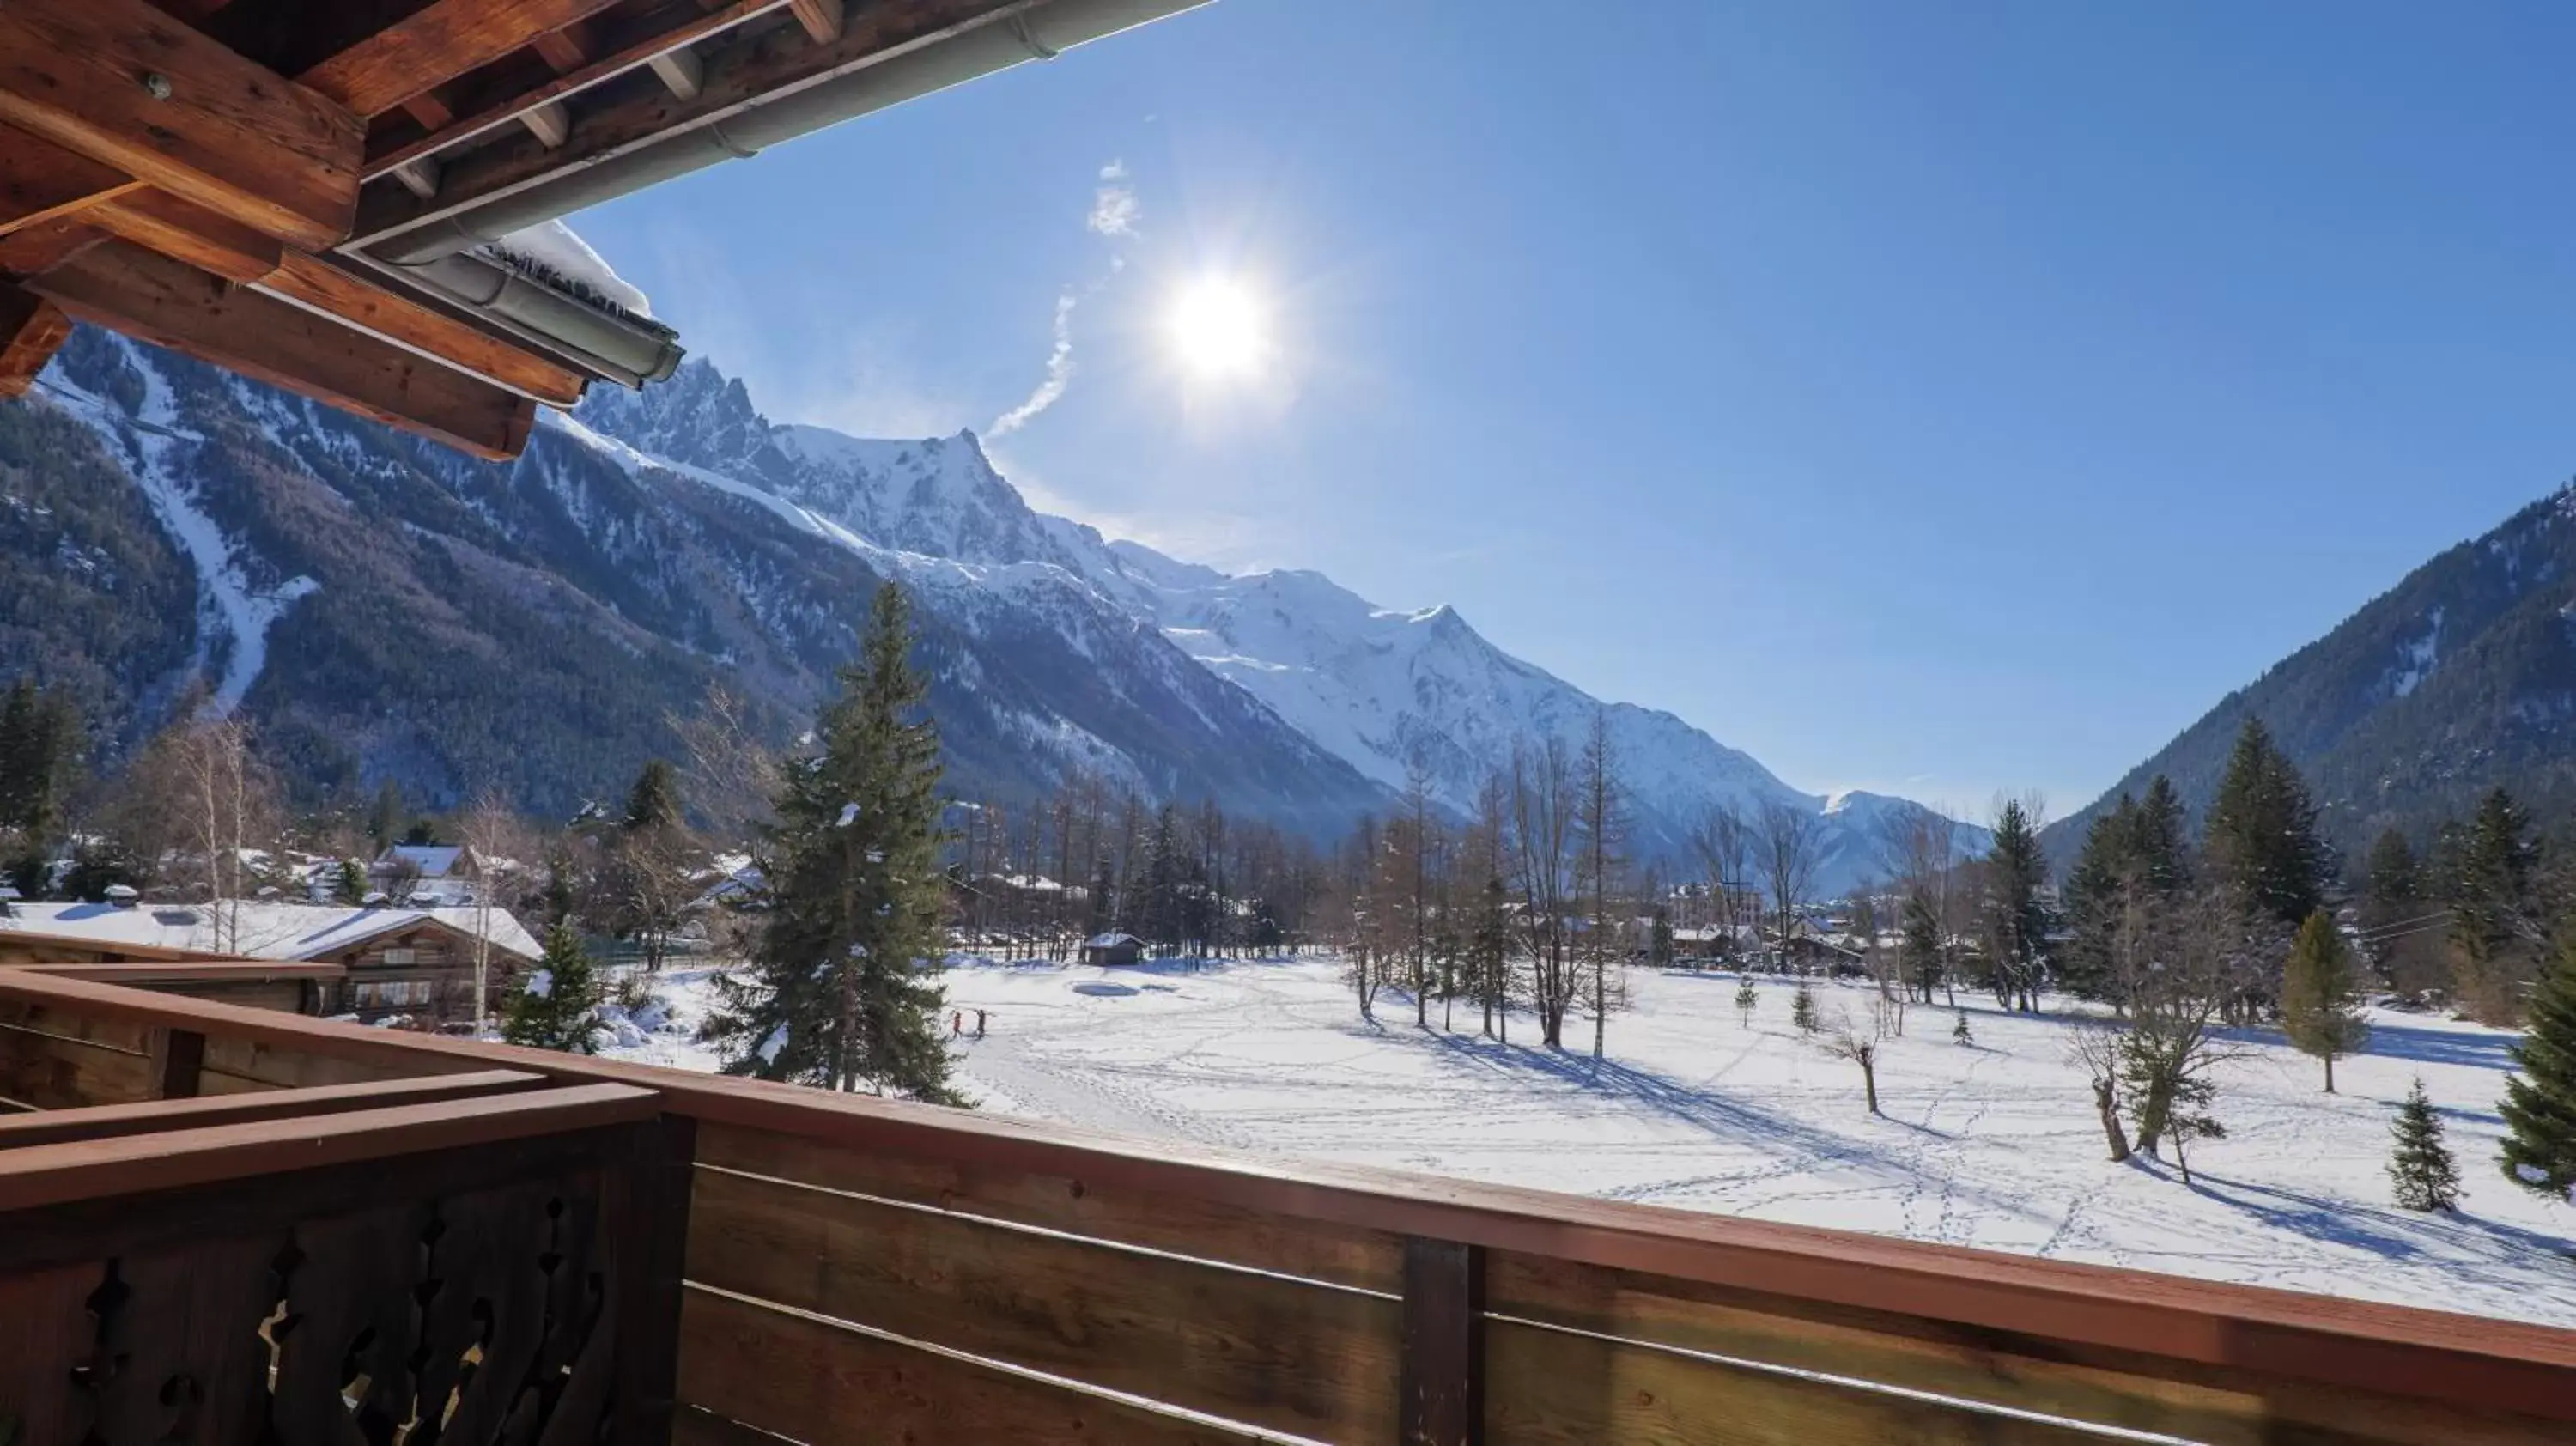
(979, 1024)
(956, 1023)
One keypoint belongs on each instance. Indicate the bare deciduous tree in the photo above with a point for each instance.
(1842, 1041)
(1544, 805)
(1787, 851)
(496, 841)
(2098, 1049)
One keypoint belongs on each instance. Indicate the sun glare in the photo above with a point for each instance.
(1218, 328)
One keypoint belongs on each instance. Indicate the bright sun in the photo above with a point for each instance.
(1218, 328)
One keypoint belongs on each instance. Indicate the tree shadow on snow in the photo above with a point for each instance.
(2442, 1046)
(1720, 1115)
(2384, 1231)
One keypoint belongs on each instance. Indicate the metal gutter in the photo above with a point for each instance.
(619, 349)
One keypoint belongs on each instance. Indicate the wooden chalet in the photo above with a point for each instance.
(319, 193)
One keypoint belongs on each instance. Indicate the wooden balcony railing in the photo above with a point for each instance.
(779, 1263)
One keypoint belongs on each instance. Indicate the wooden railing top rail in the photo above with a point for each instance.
(41, 1175)
(190, 971)
(2470, 1362)
(99, 1122)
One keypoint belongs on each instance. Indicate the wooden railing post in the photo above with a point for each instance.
(1442, 1392)
(178, 1062)
(652, 1236)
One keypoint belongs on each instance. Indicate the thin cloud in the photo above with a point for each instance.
(1114, 207)
(1059, 373)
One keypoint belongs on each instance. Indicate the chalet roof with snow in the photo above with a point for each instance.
(266, 930)
(435, 861)
(362, 202)
(1110, 941)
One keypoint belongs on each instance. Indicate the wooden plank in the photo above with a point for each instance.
(133, 1036)
(750, 66)
(1443, 1382)
(32, 329)
(624, 45)
(40, 180)
(807, 1380)
(821, 18)
(53, 1127)
(566, 50)
(96, 1229)
(33, 250)
(204, 239)
(1075, 1204)
(1550, 1389)
(435, 44)
(53, 1072)
(1313, 1360)
(128, 289)
(2046, 1377)
(321, 284)
(91, 1169)
(215, 128)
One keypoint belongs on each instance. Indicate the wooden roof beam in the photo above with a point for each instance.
(125, 288)
(619, 45)
(131, 88)
(225, 248)
(436, 44)
(40, 180)
(750, 67)
(821, 19)
(32, 329)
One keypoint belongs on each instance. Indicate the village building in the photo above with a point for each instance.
(381, 963)
(1113, 949)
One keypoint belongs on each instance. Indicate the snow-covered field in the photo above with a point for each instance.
(1993, 1145)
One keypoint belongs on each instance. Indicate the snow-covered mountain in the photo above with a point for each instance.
(383, 608)
(1374, 688)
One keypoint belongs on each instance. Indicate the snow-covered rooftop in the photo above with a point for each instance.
(266, 929)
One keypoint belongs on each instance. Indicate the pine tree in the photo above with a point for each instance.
(2320, 995)
(2419, 1164)
(1959, 1031)
(349, 885)
(2539, 1105)
(1659, 939)
(654, 799)
(843, 988)
(1802, 1009)
(2263, 837)
(2017, 925)
(558, 1008)
(1747, 998)
(2490, 903)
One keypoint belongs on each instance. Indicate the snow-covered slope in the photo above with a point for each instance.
(1372, 688)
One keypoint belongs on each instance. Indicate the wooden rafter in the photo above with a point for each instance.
(129, 289)
(436, 44)
(40, 180)
(191, 233)
(319, 284)
(131, 88)
(568, 49)
(34, 250)
(31, 330)
(821, 19)
(744, 71)
(620, 46)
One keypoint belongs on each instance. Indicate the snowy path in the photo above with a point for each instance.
(1992, 1146)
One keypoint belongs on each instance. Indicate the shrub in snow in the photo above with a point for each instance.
(559, 1008)
(2419, 1164)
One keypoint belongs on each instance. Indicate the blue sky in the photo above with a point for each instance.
(1931, 398)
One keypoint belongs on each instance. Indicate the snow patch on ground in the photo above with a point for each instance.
(1992, 1145)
